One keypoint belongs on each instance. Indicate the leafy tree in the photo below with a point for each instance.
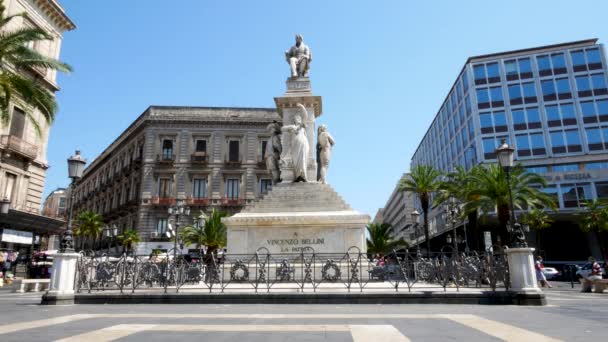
(212, 235)
(382, 239)
(16, 56)
(538, 220)
(88, 226)
(595, 219)
(489, 192)
(423, 181)
(128, 238)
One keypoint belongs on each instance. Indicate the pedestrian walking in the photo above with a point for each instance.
(540, 276)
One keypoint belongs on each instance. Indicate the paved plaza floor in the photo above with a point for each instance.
(569, 316)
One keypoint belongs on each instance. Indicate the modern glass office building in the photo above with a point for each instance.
(551, 104)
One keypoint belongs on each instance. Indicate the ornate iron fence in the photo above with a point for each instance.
(307, 271)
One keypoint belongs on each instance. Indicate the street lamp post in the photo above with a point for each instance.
(75, 168)
(178, 209)
(505, 154)
(415, 215)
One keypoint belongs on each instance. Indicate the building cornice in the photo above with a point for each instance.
(56, 13)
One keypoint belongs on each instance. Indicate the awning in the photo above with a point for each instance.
(37, 224)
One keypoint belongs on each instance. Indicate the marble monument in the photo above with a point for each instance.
(301, 210)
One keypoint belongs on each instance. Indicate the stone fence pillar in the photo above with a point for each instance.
(61, 291)
(521, 270)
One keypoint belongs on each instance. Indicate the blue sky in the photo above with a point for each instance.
(383, 68)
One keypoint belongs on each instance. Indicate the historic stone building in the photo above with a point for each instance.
(55, 204)
(23, 158)
(208, 157)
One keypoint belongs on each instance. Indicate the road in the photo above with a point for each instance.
(569, 316)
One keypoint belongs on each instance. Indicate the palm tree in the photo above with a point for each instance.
(382, 239)
(16, 55)
(538, 220)
(89, 225)
(456, 186)
(128, 238)
(422, 181)
(595, 219)
(490, 192)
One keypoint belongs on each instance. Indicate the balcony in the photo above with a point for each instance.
(199, 158)
(261, 164)
(232, 202)
(165, 159)
(233, 164)
(198, 202)
(16, 145)
(163, 201)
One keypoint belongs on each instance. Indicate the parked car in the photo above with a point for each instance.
(585, 271)
(550, 273)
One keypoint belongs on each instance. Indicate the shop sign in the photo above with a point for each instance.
(17, 236)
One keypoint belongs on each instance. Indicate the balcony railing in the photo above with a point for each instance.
(163, 201)
(232, 202)
(16, 145)
(165, 159)
(198, 158)
(198, 202)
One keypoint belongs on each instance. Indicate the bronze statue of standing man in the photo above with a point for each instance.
(299, 58)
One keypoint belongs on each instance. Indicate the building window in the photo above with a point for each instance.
(551, 190)
(496, 97)
(537, 169)
(544, 65)
(565, 141)
(164, 187)
(232, 188)
(523, 119)
(594, 111)
(578, 60)
(548, 88)
(490, 144)
(515, 95)
(601, 189)
(493, 73)
(199, 188)
(201, 146)
(480, 74)
(591, 85)
(263, 145)
(493, 122)
(562, 115)
(593, 59)
(161, 226)
(17, 123)
(596, 165)
(530, 145)
(559, 63)
(233, 150)
(597, 138)
(563, 88)
(167, 151)
(9, 186)
(265, 185)
(574, 195)
(565, 168)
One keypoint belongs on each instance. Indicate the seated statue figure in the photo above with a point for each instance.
(299, 58)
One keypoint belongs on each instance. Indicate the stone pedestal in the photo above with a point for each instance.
(294, 216)
(521, 270)
(61, 290)
(299, 91)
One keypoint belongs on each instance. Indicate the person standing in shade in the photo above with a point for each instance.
(540, 276)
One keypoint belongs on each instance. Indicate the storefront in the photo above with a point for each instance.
(23, 236)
